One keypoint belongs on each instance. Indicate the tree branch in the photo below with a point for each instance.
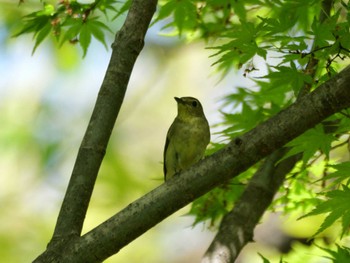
(237, 226)
(241, 153)
(128, 44)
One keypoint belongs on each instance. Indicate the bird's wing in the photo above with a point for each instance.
(164, 154)
(167, 142)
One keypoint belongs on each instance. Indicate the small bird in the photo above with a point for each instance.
(187, 138)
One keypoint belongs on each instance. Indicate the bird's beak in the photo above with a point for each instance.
(178, 100)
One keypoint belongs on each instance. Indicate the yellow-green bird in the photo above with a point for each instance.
(187, 138)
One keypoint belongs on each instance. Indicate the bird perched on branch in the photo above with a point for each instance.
(187, 138)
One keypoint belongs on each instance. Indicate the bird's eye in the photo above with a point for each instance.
(194, 103)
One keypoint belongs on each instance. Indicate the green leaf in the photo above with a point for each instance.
(125, 7)
(96, 28)
(310, 142)
(73, 29)
(296, 78)
(239, 9)
(48, 10)
(34, 25)
(265, 260)
(38, 23)
(185, 15)
(43, 33)
(341, 174)
(165, 10)
(245, 120)
(104, 5)
(341, 255)
(85, 38)
(323, 32)
(330, 219)
(216, 203)
(71, 33)
(337, 207)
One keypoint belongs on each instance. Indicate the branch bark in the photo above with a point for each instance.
(237, 226)
(241, 153)
(128, 43)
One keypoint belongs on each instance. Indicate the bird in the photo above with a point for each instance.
(187, 137)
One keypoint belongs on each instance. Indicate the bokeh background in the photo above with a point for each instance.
(45, 104)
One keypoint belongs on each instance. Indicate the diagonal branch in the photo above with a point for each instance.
(241, 153)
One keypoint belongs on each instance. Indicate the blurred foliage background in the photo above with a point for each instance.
(45, 103)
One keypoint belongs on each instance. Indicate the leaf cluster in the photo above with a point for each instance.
(216, 203)
(336, 206)
(302, 45)
(339, 255)
(252, 28)
(342, 254)
(72, 22)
